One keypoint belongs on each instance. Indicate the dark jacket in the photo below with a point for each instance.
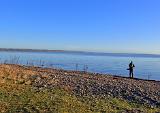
(131, 66)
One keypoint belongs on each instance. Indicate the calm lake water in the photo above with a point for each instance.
(146, 67)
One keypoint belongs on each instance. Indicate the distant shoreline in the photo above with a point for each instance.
(28, 50)
(83, 52)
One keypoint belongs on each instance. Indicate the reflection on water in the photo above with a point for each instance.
(146, 67)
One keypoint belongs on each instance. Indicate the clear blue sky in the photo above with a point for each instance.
(88, 25)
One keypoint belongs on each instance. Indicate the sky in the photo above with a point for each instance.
(118, 26)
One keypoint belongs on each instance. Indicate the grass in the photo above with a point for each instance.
(21, 98)
(17, 97)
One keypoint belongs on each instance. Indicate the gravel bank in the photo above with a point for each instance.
(85, 84)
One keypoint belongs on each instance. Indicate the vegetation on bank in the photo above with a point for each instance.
(18, 97)
(26, 89)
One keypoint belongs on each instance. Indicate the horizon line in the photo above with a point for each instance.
(78, 51)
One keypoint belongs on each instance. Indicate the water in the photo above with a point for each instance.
(146, 67)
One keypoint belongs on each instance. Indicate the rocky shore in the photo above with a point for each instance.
(85, 84)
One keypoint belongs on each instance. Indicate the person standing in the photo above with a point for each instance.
(131, 68)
